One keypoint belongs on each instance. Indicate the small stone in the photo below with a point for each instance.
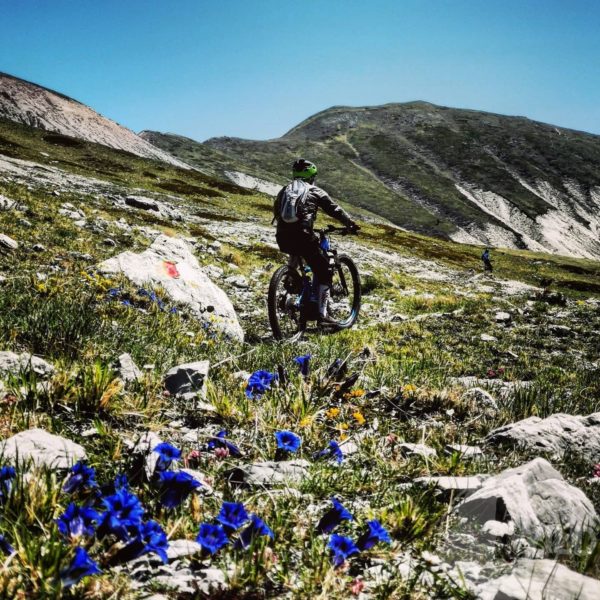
(182, 548)
(560, 330)
(464, 451)
(15, 364)
(485, 337)
(188, 380)
(453, 487)
(498, 529)
(128, 370)
(423, 450)
(8, 242)
(269, 473)
(39, 248)
(503, 317)
(142, 202)
(109, 242)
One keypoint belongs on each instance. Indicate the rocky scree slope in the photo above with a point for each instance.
(37, 106)
(464, 407)
(467, 175)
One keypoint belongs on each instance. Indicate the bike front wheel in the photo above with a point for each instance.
(344, 304)
(283, 303)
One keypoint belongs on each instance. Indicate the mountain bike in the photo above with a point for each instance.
(292, 299)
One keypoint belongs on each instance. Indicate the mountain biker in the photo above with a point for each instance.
(295, 236)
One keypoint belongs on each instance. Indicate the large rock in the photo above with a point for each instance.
(142, 202)
(269, 473)
(542, 505)
(557, 435)
(540, 580)
(170, 263)
(15, 364)
(42, 449)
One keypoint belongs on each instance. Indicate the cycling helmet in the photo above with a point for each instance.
(304, 169)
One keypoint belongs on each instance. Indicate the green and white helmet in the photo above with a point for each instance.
(304, 169)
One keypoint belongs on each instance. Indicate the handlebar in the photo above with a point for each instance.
(340, 230)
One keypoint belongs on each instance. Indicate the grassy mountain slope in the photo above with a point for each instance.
(508, 181)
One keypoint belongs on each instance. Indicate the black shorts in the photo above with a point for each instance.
(306, 244)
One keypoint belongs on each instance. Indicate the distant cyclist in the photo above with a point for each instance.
(487, 261)
(295, 212)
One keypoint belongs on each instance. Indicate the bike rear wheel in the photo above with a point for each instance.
(344, 304)
(283, 303)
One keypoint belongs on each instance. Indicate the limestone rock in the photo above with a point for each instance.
(540, 580)
(503, 317)
(42, 448)
(8, 242)
(464, 451)
(542, 505)
(453, 487)
(14, 364)
(556, 435)
(182, 548)
(128, 370)
(170, 263)
(423, 450)
(188, 380)
(269, 473)
(142, 202)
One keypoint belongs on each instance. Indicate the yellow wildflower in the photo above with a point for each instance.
(343, 437)
(333, 412)
(343, 426)
(357, 393)
(409, 388)
(359, 417)
(306, 421)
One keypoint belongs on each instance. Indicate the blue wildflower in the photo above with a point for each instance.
(173, 310)
(257, 528)
(5, 546)
(212, 537)
(166, 455)
(304, 363)
(123, 515)
(332, 451)
(121, 482)
(287, 441)
(81, 566)
(258, 383)
(219, 441)
(150, 538)
(376, 533)
(341, 548)
(333, 517)
(113, 292)
(232, 516)
(176, 486)
(7, 474)
(77, 521)
(81, 477)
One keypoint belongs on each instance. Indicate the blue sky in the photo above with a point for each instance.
(256, 68)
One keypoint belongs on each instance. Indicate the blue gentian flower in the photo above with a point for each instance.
(212, 537)
(7, 474)
(81, 566)
(288, 441)
(176, 486)
(258, 383)
(77, 521)
(376, 533)
(81, 477)
(219, 441)
(121, 482)
(341, 548)
(113, 292)
(150, 538)
(5, 546)
(123, 516)
(166, 455)
(332, 451)
(232, 516)
(173, 310)
(304, 363)
(333, 517)
(126, 303)
(257, 528)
